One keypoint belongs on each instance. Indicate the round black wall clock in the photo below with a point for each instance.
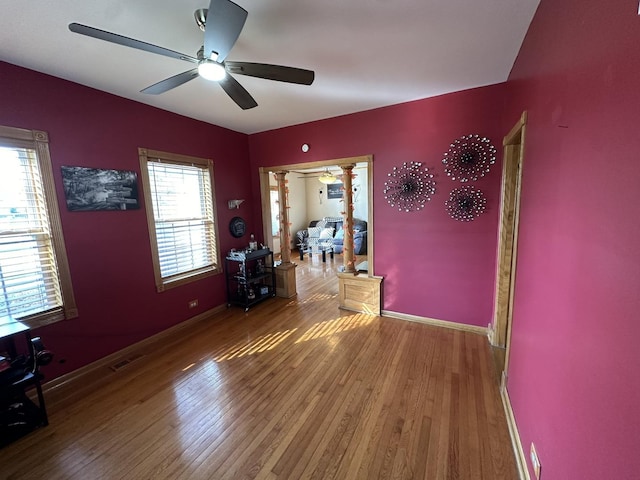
(237, 227)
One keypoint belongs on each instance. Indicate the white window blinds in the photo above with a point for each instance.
(183, 216)
(180, 205)
(29, 278)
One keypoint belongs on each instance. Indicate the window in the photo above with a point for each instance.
(275, 211)
(182, 223)
(35, 283)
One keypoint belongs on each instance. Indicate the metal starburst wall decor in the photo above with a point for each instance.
(465, 203)
(409, 187)
(469, 158)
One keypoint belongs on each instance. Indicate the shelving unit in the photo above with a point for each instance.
(251, 277)
(19, 415)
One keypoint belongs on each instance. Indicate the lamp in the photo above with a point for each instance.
(211, 70)
(327, 177)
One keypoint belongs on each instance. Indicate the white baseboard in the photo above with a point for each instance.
(516, 443)
(435, 322)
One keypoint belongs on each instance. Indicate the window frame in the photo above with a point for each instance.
(37, 140)
(146, 155)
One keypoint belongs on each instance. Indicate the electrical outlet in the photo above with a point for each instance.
(193, 303)
(535, 461)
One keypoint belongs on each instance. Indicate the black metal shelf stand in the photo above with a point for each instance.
(251, 277)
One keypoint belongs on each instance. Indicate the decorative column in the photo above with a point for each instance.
(286, 271)
(358, 293)
(285, 232)
(349, 258)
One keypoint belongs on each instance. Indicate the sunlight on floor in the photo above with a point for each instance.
(316, 297)
(331, 327)
(270, 341)
(260, 344)
(188, 367)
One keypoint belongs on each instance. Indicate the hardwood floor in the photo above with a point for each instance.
(293, 389)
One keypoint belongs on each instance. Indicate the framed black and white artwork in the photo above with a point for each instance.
(91, 189)
(334, 190)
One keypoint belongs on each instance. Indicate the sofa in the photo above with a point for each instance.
(330, 228)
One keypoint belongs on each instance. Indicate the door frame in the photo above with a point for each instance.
(266, 207)
(513, 156)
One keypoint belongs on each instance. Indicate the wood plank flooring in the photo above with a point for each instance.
(293, 389)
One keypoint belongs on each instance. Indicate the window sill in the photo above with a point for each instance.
(47, 318)
(188, 277)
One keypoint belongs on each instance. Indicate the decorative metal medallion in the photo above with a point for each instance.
(237, 227)
(409, 187)
(465, 203)
(469, 158)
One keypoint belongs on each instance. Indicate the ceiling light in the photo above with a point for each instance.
(327, 177)
(210, 70)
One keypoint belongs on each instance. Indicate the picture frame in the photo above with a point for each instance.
(94, 189)
(334, 190)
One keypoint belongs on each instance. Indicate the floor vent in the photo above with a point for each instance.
(124, 362)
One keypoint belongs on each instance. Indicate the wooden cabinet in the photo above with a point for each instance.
(250, 276)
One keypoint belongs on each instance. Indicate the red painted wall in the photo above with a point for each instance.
(573, 378)
(433, 266)
(574, 360)
(109, 252)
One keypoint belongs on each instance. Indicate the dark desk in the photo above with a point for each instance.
(9, 330)
(19, 415)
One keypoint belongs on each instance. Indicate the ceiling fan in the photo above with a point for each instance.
(221, 23)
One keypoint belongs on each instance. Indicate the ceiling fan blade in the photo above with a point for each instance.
(237, 93)
(171, 82)
(224, 23)
(272, 72)
(128, 42)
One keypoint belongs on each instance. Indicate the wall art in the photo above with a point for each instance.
(237, 227)
(90, 189)
(469, 158)
(334, 190)
(465, 203)
(409, 187)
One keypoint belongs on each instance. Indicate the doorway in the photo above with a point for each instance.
(265, 189)
(500, 329)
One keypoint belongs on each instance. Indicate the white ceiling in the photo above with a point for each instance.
(365, 53)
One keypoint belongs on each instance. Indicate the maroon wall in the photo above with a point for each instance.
(573, 378)
(433, 266)
(109, 252)
(573, 370)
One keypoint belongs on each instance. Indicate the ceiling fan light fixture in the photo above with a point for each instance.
(222, 24)
(327, 177)
(211, 70)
